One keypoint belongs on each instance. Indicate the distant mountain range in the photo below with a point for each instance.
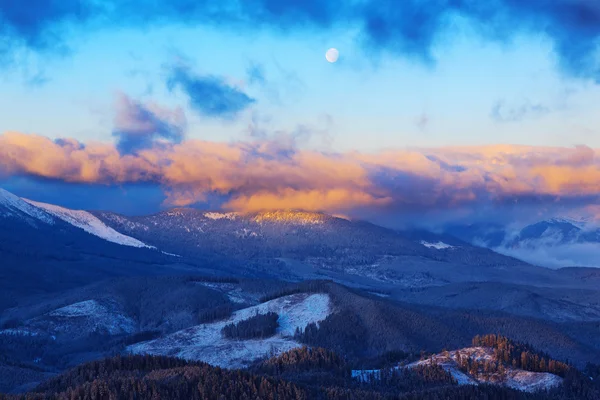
(319, 239)
(555, 242)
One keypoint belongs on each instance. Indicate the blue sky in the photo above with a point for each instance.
(412, 75)
(402, 101)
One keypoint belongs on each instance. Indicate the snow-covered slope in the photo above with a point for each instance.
(87, 222)
(77, 320)
(206, 343)
(13, 206)
(512, 377)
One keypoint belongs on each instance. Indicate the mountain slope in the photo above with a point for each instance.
(207, 343)
(41, 252)
(12, 206)
(89, 223)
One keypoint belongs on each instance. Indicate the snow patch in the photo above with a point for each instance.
(89, 223)
(206, 343)
(216, 215)
(438, 245)
(531, 381)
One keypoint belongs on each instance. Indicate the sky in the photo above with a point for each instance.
(435, 111)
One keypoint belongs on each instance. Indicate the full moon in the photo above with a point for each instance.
(332, 55)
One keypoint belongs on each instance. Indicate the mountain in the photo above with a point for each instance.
(556, 232)
(554, 242)
(320, 241)
(46, 249)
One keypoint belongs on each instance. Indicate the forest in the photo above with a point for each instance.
(258, 326)
(304, 373)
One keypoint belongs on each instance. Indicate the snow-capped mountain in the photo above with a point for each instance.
(35, 213)
(554, 242)
(555, 231)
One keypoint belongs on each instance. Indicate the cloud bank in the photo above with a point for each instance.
(409, 27)
(256, 175)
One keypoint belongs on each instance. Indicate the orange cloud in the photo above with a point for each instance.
(258, 176)
(309, 200)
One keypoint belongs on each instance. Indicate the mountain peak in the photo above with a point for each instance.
(578, 221)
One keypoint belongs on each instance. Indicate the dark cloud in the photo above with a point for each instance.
(139, 126)
(503, 112)
(408, 27)
(38, 23)
(209, 95)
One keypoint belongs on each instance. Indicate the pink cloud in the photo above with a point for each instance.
(255, 176)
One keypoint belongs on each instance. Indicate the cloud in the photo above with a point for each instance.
(139, 126)
(209, 95)
(410, 28)
(259, 175)
(423, 121)
(39, 23)
(256, 74)
(503, 112)
(557, 256)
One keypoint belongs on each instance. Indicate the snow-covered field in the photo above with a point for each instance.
(531, 381)
(89, 223)
(206, 343)
(515, 378)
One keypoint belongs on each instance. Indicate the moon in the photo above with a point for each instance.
(332, 55)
